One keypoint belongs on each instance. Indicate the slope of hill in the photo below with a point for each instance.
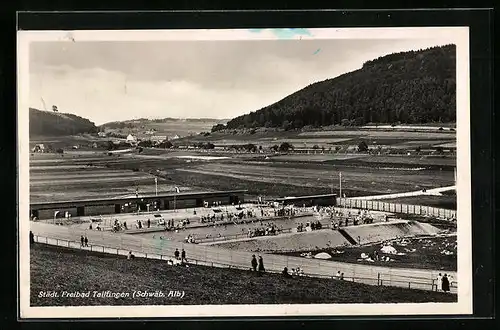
(409, 87)
(45, 123)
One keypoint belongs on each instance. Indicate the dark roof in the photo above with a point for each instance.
(130, 199)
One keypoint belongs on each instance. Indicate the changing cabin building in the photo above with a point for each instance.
(171, 201)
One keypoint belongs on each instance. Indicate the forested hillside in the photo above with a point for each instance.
(45, 123)
(411, 87)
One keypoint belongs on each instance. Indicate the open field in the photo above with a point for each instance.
(278, 176)
(418, 252)
(367, 179)
(53, 177)
(60, 269)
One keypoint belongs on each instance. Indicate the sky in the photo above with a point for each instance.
(120, 80)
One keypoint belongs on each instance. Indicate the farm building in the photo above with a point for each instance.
(158, 138)
(101, 134)
(131, 138)
(170, 201)
(38, 148)
(315, 200)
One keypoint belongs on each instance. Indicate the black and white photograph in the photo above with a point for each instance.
(244, 172)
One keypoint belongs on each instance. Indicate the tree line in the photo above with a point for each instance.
(410, 87)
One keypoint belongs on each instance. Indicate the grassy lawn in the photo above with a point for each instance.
(426, 255)
(60, 269)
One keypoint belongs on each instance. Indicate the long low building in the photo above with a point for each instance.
(115, 205)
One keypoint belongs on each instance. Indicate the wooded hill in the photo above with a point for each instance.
(46, 123)
(413, 87)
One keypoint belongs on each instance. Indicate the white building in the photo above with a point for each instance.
(101, 134)
(175, 137)
(131, 138)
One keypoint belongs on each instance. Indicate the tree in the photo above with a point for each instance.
(145, 143)
(111, 145)
(165, 145)
(286, 125)
(54, 108)
(285, 147)
(346, 122)
(274, 147)
(362, 146)
(418, 149)
(315, 147)
(218, 127)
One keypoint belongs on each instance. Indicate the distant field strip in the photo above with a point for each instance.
(89, 176)
(382, 134)
(316, 157)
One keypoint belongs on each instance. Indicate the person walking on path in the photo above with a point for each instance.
(149, 223)
(261, 265)
(183, 256)
(439, 282)
(254, 263)
(176, 254)
(285, 273)
(86, 240)
(445, 284)
(82, 240)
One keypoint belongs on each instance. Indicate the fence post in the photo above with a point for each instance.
(378, 278)
(409, 284)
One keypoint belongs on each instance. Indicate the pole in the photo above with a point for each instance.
(156, 186)
(175, 200)
(340, 179)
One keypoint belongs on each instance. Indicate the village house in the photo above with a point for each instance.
(39, 148)
(101, 134)
(131, 138)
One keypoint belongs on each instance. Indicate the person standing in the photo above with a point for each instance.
(183, 256)
(82, 240)
(445, 284)
(32, 238)
(149, 223)
(254, 263)
(176, 254)
(86, 240)
(439, 282)
(261, 265)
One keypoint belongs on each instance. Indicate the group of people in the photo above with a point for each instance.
(257, 265)
(180, 255)
(339, 276)
(443, 283)
(295, 272)
(84, 241)
(270, 229)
